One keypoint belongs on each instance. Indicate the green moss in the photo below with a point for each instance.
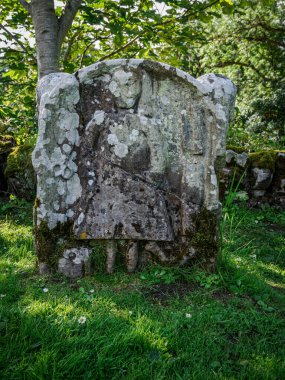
(6, 143)
(205, 238)
(263, 159)
(50, 243)
(219, 164)
(19, 159)
(237, 149)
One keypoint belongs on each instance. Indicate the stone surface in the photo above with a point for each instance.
(129, 149)
(262, 178)
(279, 177)
(75, 262)
(235, 158)
(232, 174)
(54, 157)
(278, 181)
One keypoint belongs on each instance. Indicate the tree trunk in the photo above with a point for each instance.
(46, 26)
(50, 31)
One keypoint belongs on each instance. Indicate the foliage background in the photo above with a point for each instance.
(241, 39)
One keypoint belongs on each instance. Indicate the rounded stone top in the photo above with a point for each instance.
(205, 84)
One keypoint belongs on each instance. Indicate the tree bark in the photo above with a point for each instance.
(46, 30)
(50, 31)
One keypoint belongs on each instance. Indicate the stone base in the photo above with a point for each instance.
(75, 262)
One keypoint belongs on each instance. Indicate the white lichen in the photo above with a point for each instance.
(66, 148)
(53, 157)
(99, 117)
(121, 150)
(112, 139)
(80, 218)
(134, 135)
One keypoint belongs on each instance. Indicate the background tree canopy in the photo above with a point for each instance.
(241, 39)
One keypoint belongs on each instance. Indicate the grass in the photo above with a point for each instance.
(159, 324)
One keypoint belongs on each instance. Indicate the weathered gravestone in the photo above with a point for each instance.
(129, 150)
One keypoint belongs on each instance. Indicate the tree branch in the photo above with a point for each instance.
(119, 49)
(69, 46)
(242, 64)
(187, 14)
(270, 28)
(266, 40)
(15, 38)
(85, 50)
(67, 18)
(210, 5)
(26, 5)
(156, 25)
(88, 46)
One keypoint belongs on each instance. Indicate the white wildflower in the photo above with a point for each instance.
(188, 315)
(81, 320)
(45, 290)
(92, 291)
(130, 312)
(2, 295)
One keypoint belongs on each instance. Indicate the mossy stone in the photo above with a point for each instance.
(235, 148)
(19, 159)
(50, 244)
(264, 159)
(205, 238)
(19, 172)
(6, 143)
(219, 164)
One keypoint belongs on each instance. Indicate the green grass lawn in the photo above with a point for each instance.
(158, 324)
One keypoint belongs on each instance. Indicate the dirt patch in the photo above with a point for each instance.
(276, 227)
(222, 295)
(162, 293)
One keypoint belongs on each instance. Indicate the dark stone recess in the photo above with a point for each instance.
(7, 142)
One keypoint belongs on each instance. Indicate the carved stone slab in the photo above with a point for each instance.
(129, 149)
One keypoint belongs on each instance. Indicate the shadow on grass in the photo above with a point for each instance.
(126, 337)
(234, 329)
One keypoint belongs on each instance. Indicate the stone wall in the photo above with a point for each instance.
(128, 150)
(260, 174)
